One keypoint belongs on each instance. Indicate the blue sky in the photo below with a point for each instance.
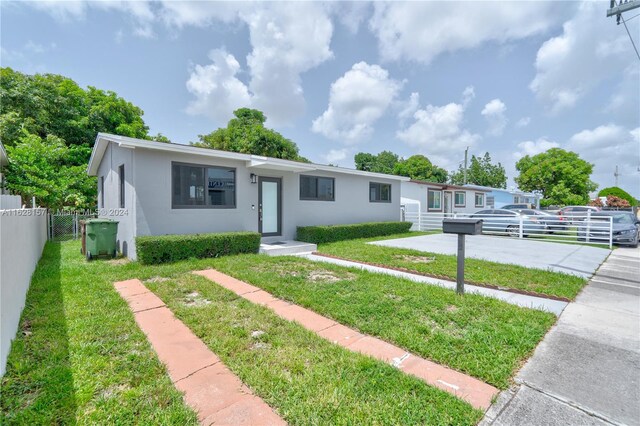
(510, 78)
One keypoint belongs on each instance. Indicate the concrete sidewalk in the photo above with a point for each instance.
(587, 369)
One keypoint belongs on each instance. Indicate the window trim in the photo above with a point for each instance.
(430, 209)
(380, 192)
(101, 201)
(464, 197)
(333, 194)
(475, 199)
(206, 177)
(121, 186)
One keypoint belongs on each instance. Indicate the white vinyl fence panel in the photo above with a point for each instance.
(554, 228)
(8, 202)
(23, 233)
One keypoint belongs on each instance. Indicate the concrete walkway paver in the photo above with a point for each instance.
(587, 369)
(559, 257)
(472, 390)
(523, 300)
(209, 387)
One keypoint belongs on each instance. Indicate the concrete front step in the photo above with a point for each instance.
(287, 248)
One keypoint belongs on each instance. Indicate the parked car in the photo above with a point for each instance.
(625, 227)
(517, 206)
(552, 222)
(508, 221)
(577, 213)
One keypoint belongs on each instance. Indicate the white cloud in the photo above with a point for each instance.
(420, 31)
(523, 122)
(608, 146)
(494, 113)
(68, 10)
(590, 50)
(335, 156)
(287, 40)
(534, 147)
(408, 107)
(217, 90)
(438, 133)
(356, 101)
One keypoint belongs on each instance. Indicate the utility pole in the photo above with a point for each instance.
(464, 179)
(618, 9)
(616, 174)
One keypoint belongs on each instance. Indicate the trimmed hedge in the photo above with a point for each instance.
(170, 248)
(332, 233)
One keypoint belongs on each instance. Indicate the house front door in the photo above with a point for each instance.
(447, 201)
(269, 206)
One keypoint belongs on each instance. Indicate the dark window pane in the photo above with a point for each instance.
(379, 192)
(188, 185)
(221, 187)
(317, 188)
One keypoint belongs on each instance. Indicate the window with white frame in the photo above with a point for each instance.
(460, 199)
(434, 199)
(479, 199)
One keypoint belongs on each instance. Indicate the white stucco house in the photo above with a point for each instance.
(155, 188)
(498, 197)
(430, 197)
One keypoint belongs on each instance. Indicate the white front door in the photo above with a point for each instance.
(447, 201)
(270, 206)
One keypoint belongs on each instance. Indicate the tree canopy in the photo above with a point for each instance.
(49, 124)
(483, 172)
(618, 192)
(561, 176)
(246, 134)
(416, 167)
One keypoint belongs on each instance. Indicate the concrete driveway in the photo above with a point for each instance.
(568, 258)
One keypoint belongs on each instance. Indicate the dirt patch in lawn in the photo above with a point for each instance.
(119, 261)
(414, 259)
(157, 279)
(194, 299)
(326, 276)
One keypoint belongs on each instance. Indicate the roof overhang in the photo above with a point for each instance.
(256, 162)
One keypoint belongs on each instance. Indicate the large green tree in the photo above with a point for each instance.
(419, 167)
(49, 119)
(416, 167)
(47, 169)
(561, 176)
(618, 192)
(483, 172)
(246, 133)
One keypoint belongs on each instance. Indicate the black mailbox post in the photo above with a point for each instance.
(461, 227)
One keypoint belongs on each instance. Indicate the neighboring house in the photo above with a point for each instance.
(7, 201)
(497, 197)
(155, 188)
(429, 197)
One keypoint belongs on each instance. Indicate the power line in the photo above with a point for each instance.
(630, 38)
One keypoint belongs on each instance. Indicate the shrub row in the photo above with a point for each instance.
(331, 233)
(170, 248)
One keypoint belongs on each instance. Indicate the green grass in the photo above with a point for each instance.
(484, 337)
(79, 356)
(308, 379)
(441, 265)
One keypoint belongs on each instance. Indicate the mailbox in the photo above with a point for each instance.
(462, 226)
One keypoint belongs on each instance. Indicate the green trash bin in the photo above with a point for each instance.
(101, 236)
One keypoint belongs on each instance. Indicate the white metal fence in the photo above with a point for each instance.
(555, 228)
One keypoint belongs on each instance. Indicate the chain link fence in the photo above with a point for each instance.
(64, 226)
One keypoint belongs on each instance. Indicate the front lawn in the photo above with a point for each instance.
(305, 377)
(481, 336)
(80, 358)
(444, 266)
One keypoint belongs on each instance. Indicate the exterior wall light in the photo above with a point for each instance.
(253, 177)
